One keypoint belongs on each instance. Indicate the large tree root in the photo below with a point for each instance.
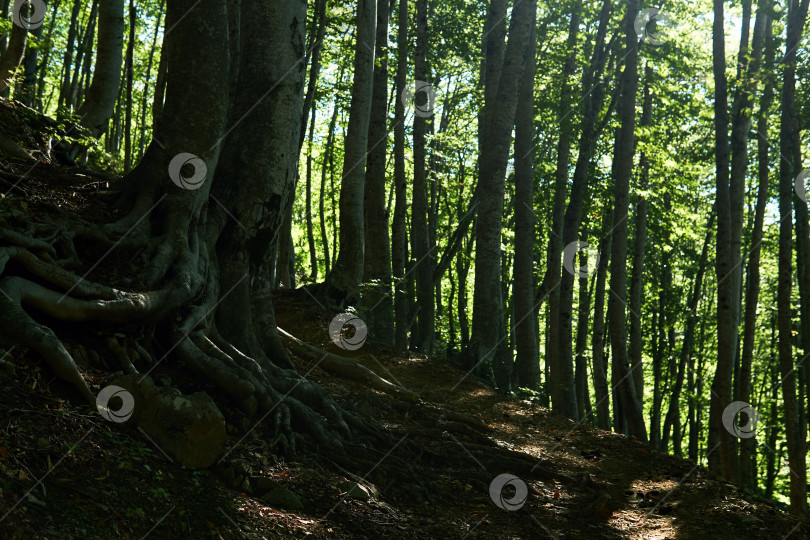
(346, 367)
(293, 406)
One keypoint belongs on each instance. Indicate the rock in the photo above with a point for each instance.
(356, 490)
(262, 484)
(282, 496)
(190, 429)
(750, 519)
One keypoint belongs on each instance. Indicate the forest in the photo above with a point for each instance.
(459, 269)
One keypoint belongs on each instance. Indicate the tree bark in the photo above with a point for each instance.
(347, 273)
(527, 359)
(142, 137)
(789, 168)
(600, 384)
(622, 170)
(133, 17)
(639, 245)
(398, 227)
(378, 248)
(100, 99)
(13, 55)
(422, 340)
(488, 334)
(563, 391)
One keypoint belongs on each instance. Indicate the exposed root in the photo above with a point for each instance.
(347, 367)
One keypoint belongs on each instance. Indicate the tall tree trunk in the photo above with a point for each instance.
(581, 363)
(724, 460)
(789, 168)
(398, 227)
(572, 219)
(40, 90)
(622, 170)
(563, 398)
(748, 468)
(13, 56)
(672, 420)
(378, 248)
(527, 359)
(128, 122)
(489, 332)
(100, 99)
(313, 252)
(639, 244)
(347, 273)
(600, 383)
(325, 162)
(420, 230)
(142, 137)
(64, 92)
(160, 84)
(26, 91)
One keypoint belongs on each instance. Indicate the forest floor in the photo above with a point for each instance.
(67, 473)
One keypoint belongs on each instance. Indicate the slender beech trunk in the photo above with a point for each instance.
(722, 460)
(420, 230)
(563, 390)
(489, 332)
(313, 252)
(581, 363)
(160, 84)
(13, 56)
(326, 161)
(347, 273)
(621, 171)
(100, 99)
(639, 245)
(748, 468)
(572, 219)
(142, 137)
(672, 420)
(26, 91)
(527, 360)
(64, 92)
(600, 383)
(789, 168)
(398, 227)
(128, 122)
(43, 70)
(378, 248)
